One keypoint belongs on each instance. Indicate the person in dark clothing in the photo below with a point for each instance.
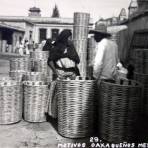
(63, 58)
(48, 45)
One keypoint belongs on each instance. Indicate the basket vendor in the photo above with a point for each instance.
(106, 58)
(63, 58)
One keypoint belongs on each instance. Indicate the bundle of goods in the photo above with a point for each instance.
(119, 109)
(76, 107)
(35, 100)
(143, 78)
(80, 34)
(10, 101)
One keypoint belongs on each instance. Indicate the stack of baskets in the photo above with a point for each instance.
(39, 62)
(18, 67)
(76, 107)
(80, 34)
(10, 101)
(141, 74)
(119, 106)
(91, 55)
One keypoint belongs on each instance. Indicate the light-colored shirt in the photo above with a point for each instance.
(105, 60)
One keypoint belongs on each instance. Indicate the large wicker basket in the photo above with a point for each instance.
(119, 106)
(143, 78)
(76, 107)
(10, 102)
(141, 60)
(35, 101)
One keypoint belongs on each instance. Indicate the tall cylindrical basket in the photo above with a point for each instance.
(10, 102)
(35, 101)
(118, 109)
(76, 107)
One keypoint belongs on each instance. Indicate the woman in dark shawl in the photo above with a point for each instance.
(63, 58)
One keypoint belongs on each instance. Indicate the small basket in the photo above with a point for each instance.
(35, 101)
(119, 108)
(76, 107)
(10, 102)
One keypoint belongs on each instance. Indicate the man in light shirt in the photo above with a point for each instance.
(106, 58)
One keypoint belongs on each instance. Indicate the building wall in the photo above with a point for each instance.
(49, 27)
(133, 24)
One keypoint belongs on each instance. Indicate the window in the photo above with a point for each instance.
(55, 33)
(42, 34)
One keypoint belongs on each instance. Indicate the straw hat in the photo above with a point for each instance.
(100, 28)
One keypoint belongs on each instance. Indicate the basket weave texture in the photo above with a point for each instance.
(118, 110)
(141, 60)
(17, 75)
(22, 63)
(143, 78)
(35, 101)
(41, 66)
(39, 55)
(10, 102)
(35, 76)
(76, 107)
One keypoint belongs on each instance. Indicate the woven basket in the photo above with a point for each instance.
(80, 45)
(143, 78)
(35, 76)
(80, 32)
(81, 19)
(22, 63)
(119, 106)
(41, 66)
(18, 75)
(76, 105)
(141, 60)
(10, 102)
(35, 101)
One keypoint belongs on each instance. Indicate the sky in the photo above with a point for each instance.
(97, 8)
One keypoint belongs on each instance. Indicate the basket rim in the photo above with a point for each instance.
(115, 84)
(142, 74)
(35, 83)
(141, 49)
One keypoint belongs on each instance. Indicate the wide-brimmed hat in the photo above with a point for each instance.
(100, 28)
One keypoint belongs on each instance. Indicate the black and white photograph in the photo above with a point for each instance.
(73, 73)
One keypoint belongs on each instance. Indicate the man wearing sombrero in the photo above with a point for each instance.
(106, 57)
